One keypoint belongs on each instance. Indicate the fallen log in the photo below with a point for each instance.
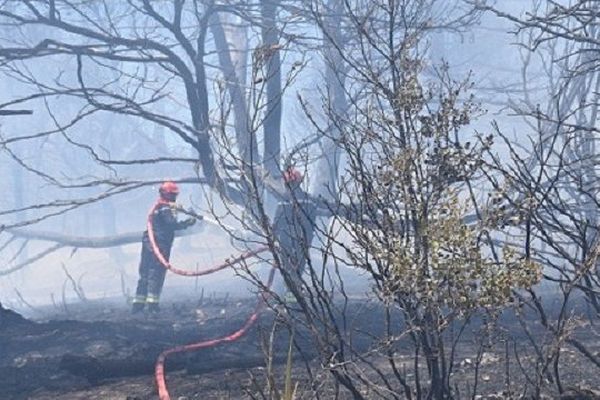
(243, 355)
(97, 242)
(95, 370)
(4, 113)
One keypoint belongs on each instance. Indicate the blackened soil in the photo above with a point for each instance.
(105, 345)
(102, 351)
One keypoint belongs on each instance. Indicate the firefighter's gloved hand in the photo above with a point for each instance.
(186, 223)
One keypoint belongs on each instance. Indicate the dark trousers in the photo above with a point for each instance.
(151, 278)
(293, 263)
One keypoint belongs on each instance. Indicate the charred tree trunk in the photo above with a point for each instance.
(272, 119)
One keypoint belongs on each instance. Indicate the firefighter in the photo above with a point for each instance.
(293, 228)
(151, 271)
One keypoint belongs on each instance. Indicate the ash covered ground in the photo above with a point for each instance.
(99, 350)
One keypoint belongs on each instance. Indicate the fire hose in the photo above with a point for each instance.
(159, 372)
(165, 263)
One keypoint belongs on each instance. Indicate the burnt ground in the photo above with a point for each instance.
(104, 352)
(101, 351)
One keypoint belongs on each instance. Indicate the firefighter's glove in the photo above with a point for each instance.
(186, 223)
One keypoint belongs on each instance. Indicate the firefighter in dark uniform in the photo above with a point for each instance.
(151, 271)
(293, 228)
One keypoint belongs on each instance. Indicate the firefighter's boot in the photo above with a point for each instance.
(153, 308)
(137, 308)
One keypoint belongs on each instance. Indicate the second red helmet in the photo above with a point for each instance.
(169, 187)
(292, 175)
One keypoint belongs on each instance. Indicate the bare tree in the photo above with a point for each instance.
(408, 178)
(140, 60)
(392, 165)
(547, 186)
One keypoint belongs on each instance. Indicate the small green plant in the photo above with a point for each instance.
(290, 389)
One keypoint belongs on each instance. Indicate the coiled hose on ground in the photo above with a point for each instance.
(159, 370)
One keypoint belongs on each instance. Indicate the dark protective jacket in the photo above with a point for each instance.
(294, 223)
(164, 223)
(293, 227)
(152, 273)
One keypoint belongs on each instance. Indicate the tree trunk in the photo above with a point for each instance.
(324, 184)
(272, 119)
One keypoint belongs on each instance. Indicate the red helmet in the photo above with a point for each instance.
(168, 187)
(292, 175)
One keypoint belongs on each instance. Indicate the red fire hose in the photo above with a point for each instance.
(159, 373)
(165, 263)
(159, 369)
